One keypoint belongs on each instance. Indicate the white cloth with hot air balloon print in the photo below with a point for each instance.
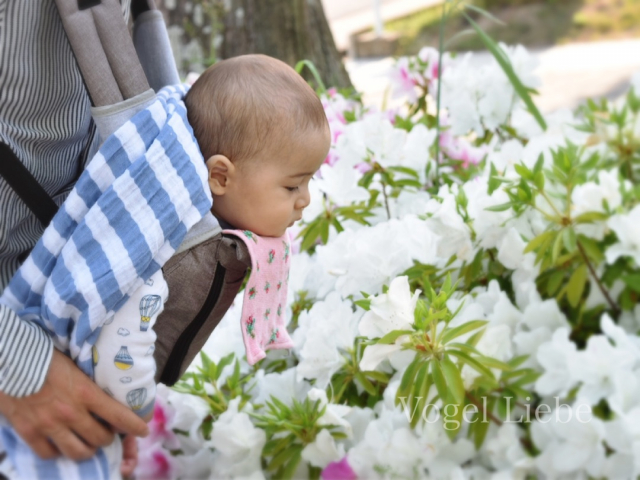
(123, 354)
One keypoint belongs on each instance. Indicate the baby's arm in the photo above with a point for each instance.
(123, 354)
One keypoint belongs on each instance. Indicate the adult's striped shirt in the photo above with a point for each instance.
(45, 119)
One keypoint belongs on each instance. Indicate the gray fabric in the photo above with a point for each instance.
(151, 41)
(190, 276)
(109, 118)
(205, 229)
(103, 48)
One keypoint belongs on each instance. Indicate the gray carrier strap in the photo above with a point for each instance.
(102, 45)
(203, 282)
(116, 69)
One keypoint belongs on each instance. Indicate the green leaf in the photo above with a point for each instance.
(439, 379)
(576, 284)
(494, 181)
(283, 456)
(538, 241)
(483, 12)
(538, 180)
(569, 239)
(364, 303)
(526, 379)
(392, 336)
(422, 378)
(495, 363)
(557, 248)
(590, 217)
(632, 281)
(592, 249)
(554, 281)
(377, 376)
(472, 362)
(499, 208)
(366, 384)
(481, 427)
(314, 71)
(408, 378)
(290, 468)
(453, 379)
(504, 62)
(523, 171)
(451, 333)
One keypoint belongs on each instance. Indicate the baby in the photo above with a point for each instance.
(263, 134)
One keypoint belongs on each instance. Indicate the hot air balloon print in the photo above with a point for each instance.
(149, 306)
(136, 398)
(94, 355)
(123, 360)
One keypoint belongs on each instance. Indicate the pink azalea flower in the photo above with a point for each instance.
(159, 430)
(155, 463)
(458, 148)
(363, 167)
(403, 80)
(339, 471)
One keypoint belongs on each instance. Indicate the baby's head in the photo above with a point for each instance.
(263, 133)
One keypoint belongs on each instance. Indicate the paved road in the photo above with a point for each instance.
(350, 16)
(569, 73)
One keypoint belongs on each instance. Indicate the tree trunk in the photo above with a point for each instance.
(291, 30)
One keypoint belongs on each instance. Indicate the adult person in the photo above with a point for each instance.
(45, 121)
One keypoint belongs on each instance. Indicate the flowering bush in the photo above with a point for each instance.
(463, 299)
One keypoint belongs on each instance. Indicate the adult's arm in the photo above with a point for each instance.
(25, 355)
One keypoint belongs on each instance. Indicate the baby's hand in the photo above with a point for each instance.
(129, 456)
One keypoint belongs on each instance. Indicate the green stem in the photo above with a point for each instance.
(551, 204)
(386, 200)
(480, 407)
(602, 288)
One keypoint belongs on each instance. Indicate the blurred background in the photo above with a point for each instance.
(584, 48)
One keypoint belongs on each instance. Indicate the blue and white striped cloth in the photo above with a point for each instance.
(126, 216)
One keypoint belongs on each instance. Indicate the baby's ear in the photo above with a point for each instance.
(220, 171)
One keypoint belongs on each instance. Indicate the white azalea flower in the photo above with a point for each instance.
(340, 183)
(323, 450)
(324, 332)
(554, 357)
(569, 445)
(390, 311)
(446, 222)
(238, 444)
(334, 413)
(283, 385)
(595, 367)
(627, 229)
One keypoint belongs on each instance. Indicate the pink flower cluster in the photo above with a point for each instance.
(155, 461)
(411, 72)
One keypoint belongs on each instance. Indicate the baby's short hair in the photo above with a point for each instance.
(242, 105)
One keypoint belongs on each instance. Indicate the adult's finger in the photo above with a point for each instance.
(71, 445)
(44, 448)
(120, 417)
(91, 431)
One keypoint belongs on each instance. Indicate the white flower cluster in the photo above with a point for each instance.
(585, 419)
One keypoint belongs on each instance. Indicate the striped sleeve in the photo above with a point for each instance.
(45, 118)
(25, 355)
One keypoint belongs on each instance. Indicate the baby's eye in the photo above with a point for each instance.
(292, 189)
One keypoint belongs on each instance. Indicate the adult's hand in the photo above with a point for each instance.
(57, 420)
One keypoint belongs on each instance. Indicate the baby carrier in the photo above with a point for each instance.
(122, 76)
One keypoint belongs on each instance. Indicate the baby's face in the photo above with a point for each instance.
(269, 193)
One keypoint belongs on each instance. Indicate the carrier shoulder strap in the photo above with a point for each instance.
(20, 179)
